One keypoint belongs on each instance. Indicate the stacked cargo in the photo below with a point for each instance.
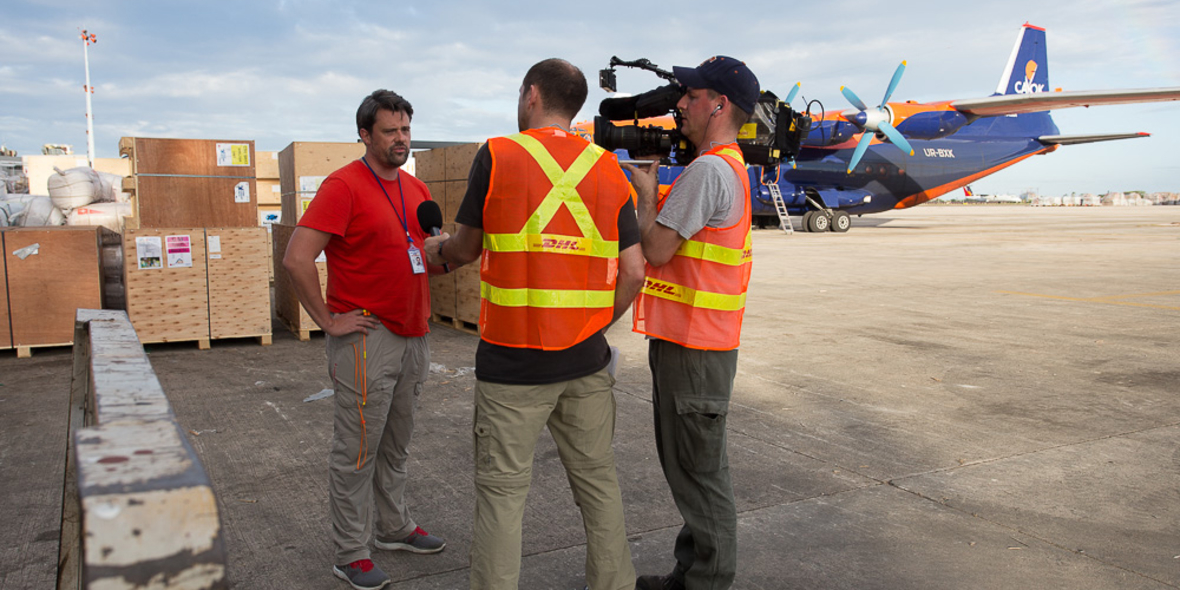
(302, 167)
(195, 257)
(454, 297)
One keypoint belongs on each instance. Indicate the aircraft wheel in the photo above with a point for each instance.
(819, 222)
(841, 221)
(806, 224)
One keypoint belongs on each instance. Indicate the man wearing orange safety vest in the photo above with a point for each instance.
(552, 219)
(696, 241)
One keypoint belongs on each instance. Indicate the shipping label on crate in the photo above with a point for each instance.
(180, 251)
(268, 218)
(149, 252)
(242, 192)
(310, 184)
(233, 154)
(213, 244)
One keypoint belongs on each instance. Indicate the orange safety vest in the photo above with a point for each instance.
(551, 240)
(698, 298)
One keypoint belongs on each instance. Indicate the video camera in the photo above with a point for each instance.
(773, 133)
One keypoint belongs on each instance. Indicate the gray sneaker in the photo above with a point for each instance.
(362, 574)
(419, 541)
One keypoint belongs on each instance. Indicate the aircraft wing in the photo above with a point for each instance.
(1014, 104)
(1076, 139)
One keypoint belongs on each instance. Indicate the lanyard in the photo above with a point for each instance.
(401, 217)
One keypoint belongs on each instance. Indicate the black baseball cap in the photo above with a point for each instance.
(724, 75)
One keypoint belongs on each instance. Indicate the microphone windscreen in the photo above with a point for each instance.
(429, 216)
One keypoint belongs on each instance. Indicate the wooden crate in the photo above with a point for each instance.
(430, 165)
(467, 296)
(266, 166)
(452, 197)
(270, 192)
(304, 165)
(239, 283)
(48, 286)
(5, 319)
(287, 306)
(191, 182)
(442, 291)
(167, 303)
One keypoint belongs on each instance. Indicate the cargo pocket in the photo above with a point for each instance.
(483, 443)
(701, 437)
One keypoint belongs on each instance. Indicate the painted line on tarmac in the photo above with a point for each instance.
(1108, 299)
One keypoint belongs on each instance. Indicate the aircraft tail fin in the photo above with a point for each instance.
(1028, 67)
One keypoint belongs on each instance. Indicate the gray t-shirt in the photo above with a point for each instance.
(702, 196)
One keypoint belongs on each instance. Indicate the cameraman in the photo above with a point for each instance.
(696, 240)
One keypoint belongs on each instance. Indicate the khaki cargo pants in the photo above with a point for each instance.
(377, 379)
(508, 421)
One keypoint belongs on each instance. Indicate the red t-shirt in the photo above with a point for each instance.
(368, 255)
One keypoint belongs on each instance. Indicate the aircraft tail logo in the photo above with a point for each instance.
(1028, 67)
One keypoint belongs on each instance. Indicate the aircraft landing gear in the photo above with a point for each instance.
(816, 221)
(841, 221)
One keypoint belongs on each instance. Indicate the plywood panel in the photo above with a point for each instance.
(453, 197)
(459, 159)
(269, 192)
(287, 306)
(239, 284)
(45, 288)
(192, 182)
(266, 167)
(167, 303)
(442, 289)
(193, 157)
(5, 321)
(430, 165)
(176, 201)
(303, 165)
(467, 293)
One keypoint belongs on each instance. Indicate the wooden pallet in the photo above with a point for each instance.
(456, 323)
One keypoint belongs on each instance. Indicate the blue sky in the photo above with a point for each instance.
(295, 70)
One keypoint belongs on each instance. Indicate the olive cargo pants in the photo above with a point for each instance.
(580, 415)
(690, 399)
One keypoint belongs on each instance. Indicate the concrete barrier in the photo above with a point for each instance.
(138, 510)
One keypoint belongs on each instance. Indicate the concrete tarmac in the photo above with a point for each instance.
(945, 397)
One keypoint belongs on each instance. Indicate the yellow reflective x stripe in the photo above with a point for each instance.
(687, 296)
(565, 186)
(718, 254)
(552, 243)
(735, 154)
(546, 298)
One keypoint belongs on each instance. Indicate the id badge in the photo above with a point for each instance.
(416, 260)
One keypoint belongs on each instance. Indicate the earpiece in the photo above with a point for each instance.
(717, 109)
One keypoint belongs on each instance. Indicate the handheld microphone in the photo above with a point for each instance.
(430, 217)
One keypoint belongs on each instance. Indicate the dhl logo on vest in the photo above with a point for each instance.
(562, 245)
(660, 287)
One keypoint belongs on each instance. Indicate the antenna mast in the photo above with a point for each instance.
(87, 39)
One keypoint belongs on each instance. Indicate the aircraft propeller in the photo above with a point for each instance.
(878, 119)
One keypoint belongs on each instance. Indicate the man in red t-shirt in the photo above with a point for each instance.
(364, 219)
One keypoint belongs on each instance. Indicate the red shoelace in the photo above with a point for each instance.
(364, 564)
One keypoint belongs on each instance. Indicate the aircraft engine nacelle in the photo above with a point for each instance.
(932, 124)
(831, 133)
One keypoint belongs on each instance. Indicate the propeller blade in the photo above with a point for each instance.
(793, 92)
(896, 137)
(865, 139)
(853, 98)
(893, 83)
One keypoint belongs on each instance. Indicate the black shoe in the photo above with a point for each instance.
(658, 583)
